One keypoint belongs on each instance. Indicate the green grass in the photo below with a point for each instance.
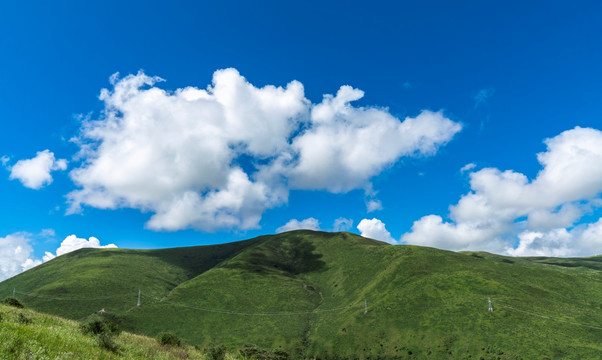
(51, 337)
(277, 292)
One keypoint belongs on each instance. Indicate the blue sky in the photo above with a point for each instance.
(482, 84)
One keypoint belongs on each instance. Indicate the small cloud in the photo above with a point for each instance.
(35, 173)
(47, 232)
(4, 160)
(72, 243)
(342, 224)
(482, 96)
(374, 205)
(294, 224)
(468, 167)
(375, 229)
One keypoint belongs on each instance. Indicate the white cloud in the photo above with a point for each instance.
(219, 157)
(342, 224)
(373, 205)
(72, 243)
(347, 146)
(294, 224)
(468, 167)
(35, 173)
(47, 233)
(375, 229)
(505, 207)
(16, 255)
(4, 160)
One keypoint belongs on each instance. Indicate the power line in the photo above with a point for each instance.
(229, 312)
(550, 317)
(217, 311)
(71, 299)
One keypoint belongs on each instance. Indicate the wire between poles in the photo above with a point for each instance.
(229, 312)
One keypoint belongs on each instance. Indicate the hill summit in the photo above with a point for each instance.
(328, 295)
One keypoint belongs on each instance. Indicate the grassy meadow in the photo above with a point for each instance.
(27, 334)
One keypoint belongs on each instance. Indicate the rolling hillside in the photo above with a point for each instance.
(26, 334)
(306, 292)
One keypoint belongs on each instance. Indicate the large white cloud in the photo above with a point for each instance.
(219, 157)
(375, 229)
(35, 173)
(72, 243)
(507, 212)
(16, 255)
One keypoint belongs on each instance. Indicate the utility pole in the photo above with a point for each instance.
(365, 306)
(14, 290)
(138, 298)
(490, 306)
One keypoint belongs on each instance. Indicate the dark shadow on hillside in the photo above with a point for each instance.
(293, 256)
(198, 259)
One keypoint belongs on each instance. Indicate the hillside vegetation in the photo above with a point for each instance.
(306, 292)
(26, 334)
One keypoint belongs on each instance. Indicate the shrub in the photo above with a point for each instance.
(253, 352)
(216, 352)
(11, 301)
(22, 319)
(105, 341)
(169, 339)
(97, 324)
(280, 355)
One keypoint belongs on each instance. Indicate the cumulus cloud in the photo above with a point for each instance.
(219, 157)
(294, 224)
(507, 212)
(16, 255)
(72, 243)
(35, 173)
(342, 224)
(375, 229)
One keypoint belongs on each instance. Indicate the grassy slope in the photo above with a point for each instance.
(429, 302)
(51, 337)
(110, 278)
(422, 302)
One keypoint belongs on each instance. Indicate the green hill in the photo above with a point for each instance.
(306, 292)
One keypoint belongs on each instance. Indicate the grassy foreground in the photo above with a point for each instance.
(26, 334)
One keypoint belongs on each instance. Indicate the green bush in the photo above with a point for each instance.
(169, 339)
(11, 301)
(216, 352)
(253, 352)
(105, 341)
(22, 319)
(100, 324)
